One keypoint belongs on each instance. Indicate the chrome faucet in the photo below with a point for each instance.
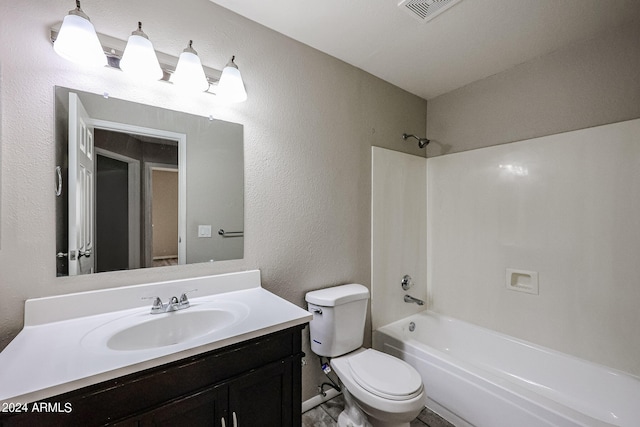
(174, 304)
(409, 298)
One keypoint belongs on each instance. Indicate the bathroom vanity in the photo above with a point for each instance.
(226, 387)
(247, 372)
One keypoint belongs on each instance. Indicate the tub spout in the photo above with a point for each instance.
(409, 298)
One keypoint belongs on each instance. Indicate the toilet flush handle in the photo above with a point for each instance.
(316, 310)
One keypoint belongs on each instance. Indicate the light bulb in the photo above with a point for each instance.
(139, 59)
(231, 87)
(189, 73)
(77, 40)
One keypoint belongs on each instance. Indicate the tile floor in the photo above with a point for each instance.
(326, 415)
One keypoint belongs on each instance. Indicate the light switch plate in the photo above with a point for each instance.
(204, 231)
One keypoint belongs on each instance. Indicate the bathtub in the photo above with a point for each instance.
(477, 377)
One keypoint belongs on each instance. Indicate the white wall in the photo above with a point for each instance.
(398, 233)
(566, 206)
(309, 123)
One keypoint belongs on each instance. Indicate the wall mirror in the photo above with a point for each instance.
(141, 186)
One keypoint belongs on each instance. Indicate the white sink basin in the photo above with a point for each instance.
(170, 328)
(144, 331)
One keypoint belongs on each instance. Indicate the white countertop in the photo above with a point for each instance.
(50, 357)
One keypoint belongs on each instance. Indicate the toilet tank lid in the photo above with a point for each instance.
(337, 295)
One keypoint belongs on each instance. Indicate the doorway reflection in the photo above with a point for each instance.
(136, 201)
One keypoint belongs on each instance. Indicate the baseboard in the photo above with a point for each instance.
(446, 414)
(319, 399)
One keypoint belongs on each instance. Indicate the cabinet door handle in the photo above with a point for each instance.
(235, 420)
(222, 423)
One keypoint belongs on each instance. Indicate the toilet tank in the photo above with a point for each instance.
(339, 315)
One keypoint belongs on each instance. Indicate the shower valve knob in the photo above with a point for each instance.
(407, 282)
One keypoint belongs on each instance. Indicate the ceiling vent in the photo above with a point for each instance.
(426, 10)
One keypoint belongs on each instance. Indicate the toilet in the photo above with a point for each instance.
(386, 389)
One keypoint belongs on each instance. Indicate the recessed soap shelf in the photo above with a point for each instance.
(522, 281)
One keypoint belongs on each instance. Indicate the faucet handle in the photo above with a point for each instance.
(157, 304)
(407, 282)
(184, 301)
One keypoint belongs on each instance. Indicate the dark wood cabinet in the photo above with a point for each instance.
(254, 383)
(205, 408)
(263, 397)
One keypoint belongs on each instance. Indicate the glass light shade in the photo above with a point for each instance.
(231, 87)
(78, 42)
(140, 60)
(189, 73)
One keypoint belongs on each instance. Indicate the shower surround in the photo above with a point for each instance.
(564, 207)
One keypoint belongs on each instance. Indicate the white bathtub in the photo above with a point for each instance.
(477, 377)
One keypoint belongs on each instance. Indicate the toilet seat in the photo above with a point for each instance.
(403, 408)
(384, 375)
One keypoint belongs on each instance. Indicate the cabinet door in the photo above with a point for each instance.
(263, 398)
(205, 408)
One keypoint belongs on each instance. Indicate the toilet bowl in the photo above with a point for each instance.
(386, 389)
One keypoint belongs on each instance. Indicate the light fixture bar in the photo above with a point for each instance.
(114, 48)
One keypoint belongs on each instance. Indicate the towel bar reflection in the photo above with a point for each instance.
(230, 233)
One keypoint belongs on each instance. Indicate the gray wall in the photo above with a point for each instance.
(309, 123)
(587, 84)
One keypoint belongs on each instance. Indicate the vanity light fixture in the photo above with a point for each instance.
(139, 59)
(189, 73)
(77, 40)
(231, 87)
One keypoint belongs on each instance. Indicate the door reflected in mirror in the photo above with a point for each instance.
(120, 243)
(143, 186)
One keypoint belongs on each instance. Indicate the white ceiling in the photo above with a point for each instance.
(471, 40)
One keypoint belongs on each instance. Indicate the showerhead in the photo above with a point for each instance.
(422, 142)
